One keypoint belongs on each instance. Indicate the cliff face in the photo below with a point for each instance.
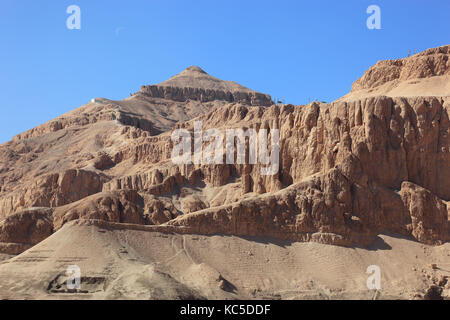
(349, 170)
(206, 95)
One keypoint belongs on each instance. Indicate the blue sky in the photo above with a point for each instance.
(294, 49)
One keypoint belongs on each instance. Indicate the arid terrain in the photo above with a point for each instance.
(361, 181)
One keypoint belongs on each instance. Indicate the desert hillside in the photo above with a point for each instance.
(363, 180)
(423, 74)
(120, 261)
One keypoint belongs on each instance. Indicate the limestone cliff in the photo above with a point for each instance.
(371, 163)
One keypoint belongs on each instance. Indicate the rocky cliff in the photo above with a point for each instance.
(206, 95)
(349, 171)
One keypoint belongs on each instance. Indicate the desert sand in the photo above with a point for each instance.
(120, 261)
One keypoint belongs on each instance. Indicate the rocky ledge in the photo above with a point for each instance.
(206, 95)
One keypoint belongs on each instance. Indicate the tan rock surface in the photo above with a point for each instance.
(424, 74)
(372, 163)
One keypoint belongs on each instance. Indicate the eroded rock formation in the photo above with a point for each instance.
(348, 171)
(206, 95)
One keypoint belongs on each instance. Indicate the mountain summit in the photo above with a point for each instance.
(194, 83)
(196, 77)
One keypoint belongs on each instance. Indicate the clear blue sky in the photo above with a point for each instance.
(293, 49)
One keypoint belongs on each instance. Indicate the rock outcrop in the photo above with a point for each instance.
(206, 95)
(195, 84)
(348, 171)
(22, 230)
(429, 63)
(53, 190)
(124, 206)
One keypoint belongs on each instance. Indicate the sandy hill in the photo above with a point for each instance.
(119, 261)
(158, 108)
(195, 77)
(424, 74)
(367, 167)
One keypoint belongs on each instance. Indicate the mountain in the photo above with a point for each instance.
(195, 84)
(363, 180)
(195, 77)
(423, 74)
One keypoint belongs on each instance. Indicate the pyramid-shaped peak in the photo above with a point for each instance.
(193, 83)
(195, 69)
(196, 77)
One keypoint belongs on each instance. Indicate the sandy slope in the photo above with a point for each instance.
(434, 86)
(120, 261)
